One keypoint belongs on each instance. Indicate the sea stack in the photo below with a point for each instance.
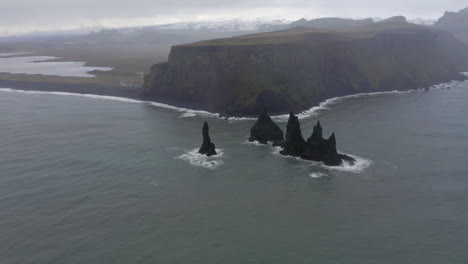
(294, 143)
(316, 148)
(265, 130)
(207, 148)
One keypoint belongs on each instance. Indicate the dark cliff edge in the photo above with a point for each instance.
(295, 69)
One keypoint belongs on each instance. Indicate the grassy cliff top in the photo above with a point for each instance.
(314, 35)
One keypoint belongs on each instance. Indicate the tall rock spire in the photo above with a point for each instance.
(332, 145)
(207, 147)
(316, 133)
(294, 143)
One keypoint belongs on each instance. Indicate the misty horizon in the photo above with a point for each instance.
(27, 17)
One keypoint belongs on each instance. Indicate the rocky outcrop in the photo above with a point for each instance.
(316, 148)
(265, 130)
(295, 69)
(207, 147)
(294, 143)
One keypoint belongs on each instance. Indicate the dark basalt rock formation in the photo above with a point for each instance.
(265, 130)
(316, 148)
(207, 147)
(294, 143)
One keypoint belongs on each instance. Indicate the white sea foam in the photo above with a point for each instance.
(256, 143)
(187, 113)
(184, 115)
(199, 160)
(93, 96)
(329, 102)
(358, 167)
(317, 175)
(240, 118)
(446, 85)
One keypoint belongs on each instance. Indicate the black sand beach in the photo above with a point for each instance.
(82, 88)
(98, 89)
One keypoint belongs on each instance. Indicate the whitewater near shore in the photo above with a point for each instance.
(133, 95)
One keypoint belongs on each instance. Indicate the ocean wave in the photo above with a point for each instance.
(92, 96)
(312, 112)
(317, 175)
(447, 85)
(184, 115)
(256, 143)
(359, 166)
(198, 160)
(186, 112)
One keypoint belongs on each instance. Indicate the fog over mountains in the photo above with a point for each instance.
(27, 16)
(218, 24)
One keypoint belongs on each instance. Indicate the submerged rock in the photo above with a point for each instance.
(207, 147)
(316, 148)
(265, 130)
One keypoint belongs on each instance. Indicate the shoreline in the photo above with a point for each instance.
(134, 93)
(98, 89)
(80, 88)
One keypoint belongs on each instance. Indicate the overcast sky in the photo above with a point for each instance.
(19, 16)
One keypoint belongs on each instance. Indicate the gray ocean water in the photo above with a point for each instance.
(85, 180)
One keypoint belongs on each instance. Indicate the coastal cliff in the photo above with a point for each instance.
(294, 69)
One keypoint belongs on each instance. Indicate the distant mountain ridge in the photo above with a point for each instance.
(332, 22)
(192, 31)
(456, 23)
(227, 24)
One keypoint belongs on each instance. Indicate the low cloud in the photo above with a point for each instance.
(32, 15)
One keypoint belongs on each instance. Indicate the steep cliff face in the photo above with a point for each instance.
(294, 69)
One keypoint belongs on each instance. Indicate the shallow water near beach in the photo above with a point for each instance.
(89, 179)
(45, 65)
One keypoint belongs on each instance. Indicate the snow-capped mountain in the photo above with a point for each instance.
(228, 24)
(423, 21)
